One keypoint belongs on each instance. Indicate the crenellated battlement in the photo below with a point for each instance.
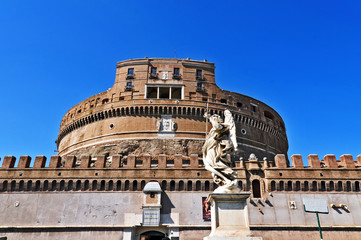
(103, 162)
(163, 161)
(329, 161)
(176, 173)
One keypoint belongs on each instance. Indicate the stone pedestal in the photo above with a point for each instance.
(229, 217)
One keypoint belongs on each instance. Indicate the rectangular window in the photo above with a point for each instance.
(254, 108)
(176, 74)
(153, 71)
(164, 92)
(224, 101)
(199, 85)
(128, 87)
(152, 92)
(199, 73)
(176, 93)
(130, 71)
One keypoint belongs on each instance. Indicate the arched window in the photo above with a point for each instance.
(126, 185)
(268, 115)
(305, 186)
(13, 185)
(256, 188)
(78, 185)
(62, 185)
(281, 186)
(164, 185)
(37, 185)
(273, 186)
(289, 186)
(119, 185)
(21, 185)
(189, 186)
(110, 185)
(172, 186)
(323, 186)
(339, 186)
(53, 185)
(70, 185)
(105, 101)
(298, 186)
(94, 185)
(86, 185)
(206, 185)
(348, 186)
(46, 185)
(181, 186)
(102, 185)
(357, 186)
(331, 186)
(5, 186)
(135, 185)
(29, 185)
(314, 186)
(198, 186)
(142, 185)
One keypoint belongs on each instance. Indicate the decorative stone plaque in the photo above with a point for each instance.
(164, 75)
(166, 126)
(151, 217)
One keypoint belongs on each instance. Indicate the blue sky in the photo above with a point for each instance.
(303, 58)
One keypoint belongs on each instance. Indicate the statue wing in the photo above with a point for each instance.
(228, 120)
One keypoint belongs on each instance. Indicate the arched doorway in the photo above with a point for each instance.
(152, 235)
(256, 188)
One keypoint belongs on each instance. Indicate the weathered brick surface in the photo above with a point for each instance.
(85, 161)
(100, 163)
(331, 161)
(177, 161)
(133, 117)
(24, 162)
(313, 161)
(116, 161)
(297, 161)
(40, 162)
(280, 160)
(55, 162)
(194, 161)
(146, 160)
(69, 161)
(347, 161)
(8, 162)
(162, 161)
(130, 161)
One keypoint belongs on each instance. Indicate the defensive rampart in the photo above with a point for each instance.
(176, 173)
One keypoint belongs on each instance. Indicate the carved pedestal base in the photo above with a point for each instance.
(229, 217)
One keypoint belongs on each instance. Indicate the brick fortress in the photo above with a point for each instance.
(149, 128)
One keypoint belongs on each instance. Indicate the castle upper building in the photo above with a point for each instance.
(129, 166)
(156, 106)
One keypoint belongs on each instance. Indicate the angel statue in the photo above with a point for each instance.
(220, 141)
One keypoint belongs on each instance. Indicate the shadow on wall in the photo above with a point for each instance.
(167, 205)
